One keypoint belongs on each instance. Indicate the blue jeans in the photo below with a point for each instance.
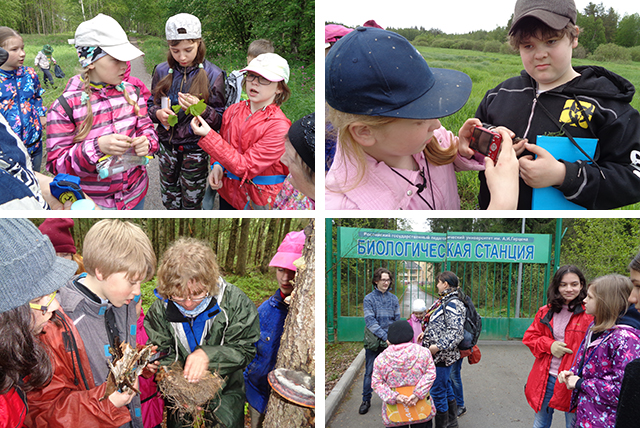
(545, 416)
(370, 357)
(442, 391)
(456, 382)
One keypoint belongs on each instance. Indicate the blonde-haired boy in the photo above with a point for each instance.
(95, 312)
(206, 323)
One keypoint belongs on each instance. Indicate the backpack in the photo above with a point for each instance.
(233, 84)
(472, 323)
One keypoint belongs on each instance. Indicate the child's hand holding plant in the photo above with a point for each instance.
(200, 126)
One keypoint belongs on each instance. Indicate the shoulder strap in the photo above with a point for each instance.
(67, 108)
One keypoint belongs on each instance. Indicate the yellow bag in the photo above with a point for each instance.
(398, 412)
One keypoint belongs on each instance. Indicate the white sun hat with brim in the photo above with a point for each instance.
(104, 32)
(271, 66)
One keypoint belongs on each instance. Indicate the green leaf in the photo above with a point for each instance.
(176, 108)
(197, 109)
(173, 120)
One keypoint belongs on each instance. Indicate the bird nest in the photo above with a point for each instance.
(188, 399)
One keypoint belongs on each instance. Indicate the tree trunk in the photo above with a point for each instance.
(297, 347)
(233, 242)
(243, 247)
(268, 250)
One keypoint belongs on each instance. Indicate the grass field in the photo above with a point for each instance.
(301, 83)
(487, 70)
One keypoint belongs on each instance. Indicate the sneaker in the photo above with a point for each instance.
(461, 411)
(364, 407)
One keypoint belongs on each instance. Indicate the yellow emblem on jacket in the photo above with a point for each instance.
(573, 115)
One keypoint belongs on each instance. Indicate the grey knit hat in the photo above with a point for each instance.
(29, 267)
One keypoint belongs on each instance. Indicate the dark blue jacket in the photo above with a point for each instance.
(272, 314)
(181, 133)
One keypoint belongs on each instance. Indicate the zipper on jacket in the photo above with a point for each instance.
(184, 80)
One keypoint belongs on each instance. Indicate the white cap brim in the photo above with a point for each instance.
(273, 77)
(124, 52)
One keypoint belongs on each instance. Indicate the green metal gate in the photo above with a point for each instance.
(489, 267)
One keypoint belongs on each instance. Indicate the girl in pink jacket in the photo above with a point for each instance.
(404, 363)
(385, 101)
(104, 116)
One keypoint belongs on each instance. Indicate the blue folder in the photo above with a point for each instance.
(549, 198)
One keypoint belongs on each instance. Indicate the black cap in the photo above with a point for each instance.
(302, 136)
(4, 55)
(400, 332)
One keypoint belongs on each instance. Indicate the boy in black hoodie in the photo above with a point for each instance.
(550, 96)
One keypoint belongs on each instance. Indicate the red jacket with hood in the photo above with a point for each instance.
(71, 399)
(539, 337)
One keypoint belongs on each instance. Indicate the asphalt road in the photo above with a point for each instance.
(153, 200)
(493, 393)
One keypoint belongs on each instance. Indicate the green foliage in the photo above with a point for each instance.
(592, 32)
(580, 52)
(492, 46)
(257, 286)
(629, 31)
(611, 52)
(147, 295)
(602, 246)
(421, 40)
(635, 53)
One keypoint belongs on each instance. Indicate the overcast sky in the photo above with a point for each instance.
(454, 16)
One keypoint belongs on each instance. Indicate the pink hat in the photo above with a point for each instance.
(333, 32)
(372, 23)
(289, 251)
(57, 229)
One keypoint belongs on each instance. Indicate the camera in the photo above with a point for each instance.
(486, 142)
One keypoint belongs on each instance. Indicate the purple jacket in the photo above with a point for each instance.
(382, 189)
(596, 394)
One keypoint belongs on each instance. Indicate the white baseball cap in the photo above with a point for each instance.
(270, 66)
(183, 26)
(103, 31)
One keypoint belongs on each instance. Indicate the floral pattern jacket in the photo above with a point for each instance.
(400, 365)
(603, 361)
(21, 105)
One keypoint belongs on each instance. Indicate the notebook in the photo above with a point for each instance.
(549, 198)
(401, 413)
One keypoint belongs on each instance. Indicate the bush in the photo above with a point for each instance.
(580, 52)
(421, 40)
(635, 53)
(508, 50)
(443, 43)
(492, 46)
(478, 45)
(466, 44)
(611, 52)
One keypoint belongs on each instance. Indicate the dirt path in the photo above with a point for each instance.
(153, 200)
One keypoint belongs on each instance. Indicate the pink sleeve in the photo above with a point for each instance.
(63, 155)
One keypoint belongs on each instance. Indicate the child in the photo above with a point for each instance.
(299, 188)
(628, 413)
(30, 274)
(44, 59)
(553, 338)
(418, 310)
(184, 80)
(206, 324)
(235, 80)
(251, 139)
(404, 363)
(97, 308)
(611, 342)
(102, 116)
(152, 403)
(384, 102)
(550, 96)
(272, 314)
(21, 96)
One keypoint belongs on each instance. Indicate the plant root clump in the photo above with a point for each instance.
(188, 399)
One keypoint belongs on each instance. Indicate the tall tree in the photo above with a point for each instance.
(629, 31)
(233, 242)
(243, 247)
(297, 347)
(268, 249)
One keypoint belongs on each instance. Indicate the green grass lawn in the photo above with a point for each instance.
(487, 70)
